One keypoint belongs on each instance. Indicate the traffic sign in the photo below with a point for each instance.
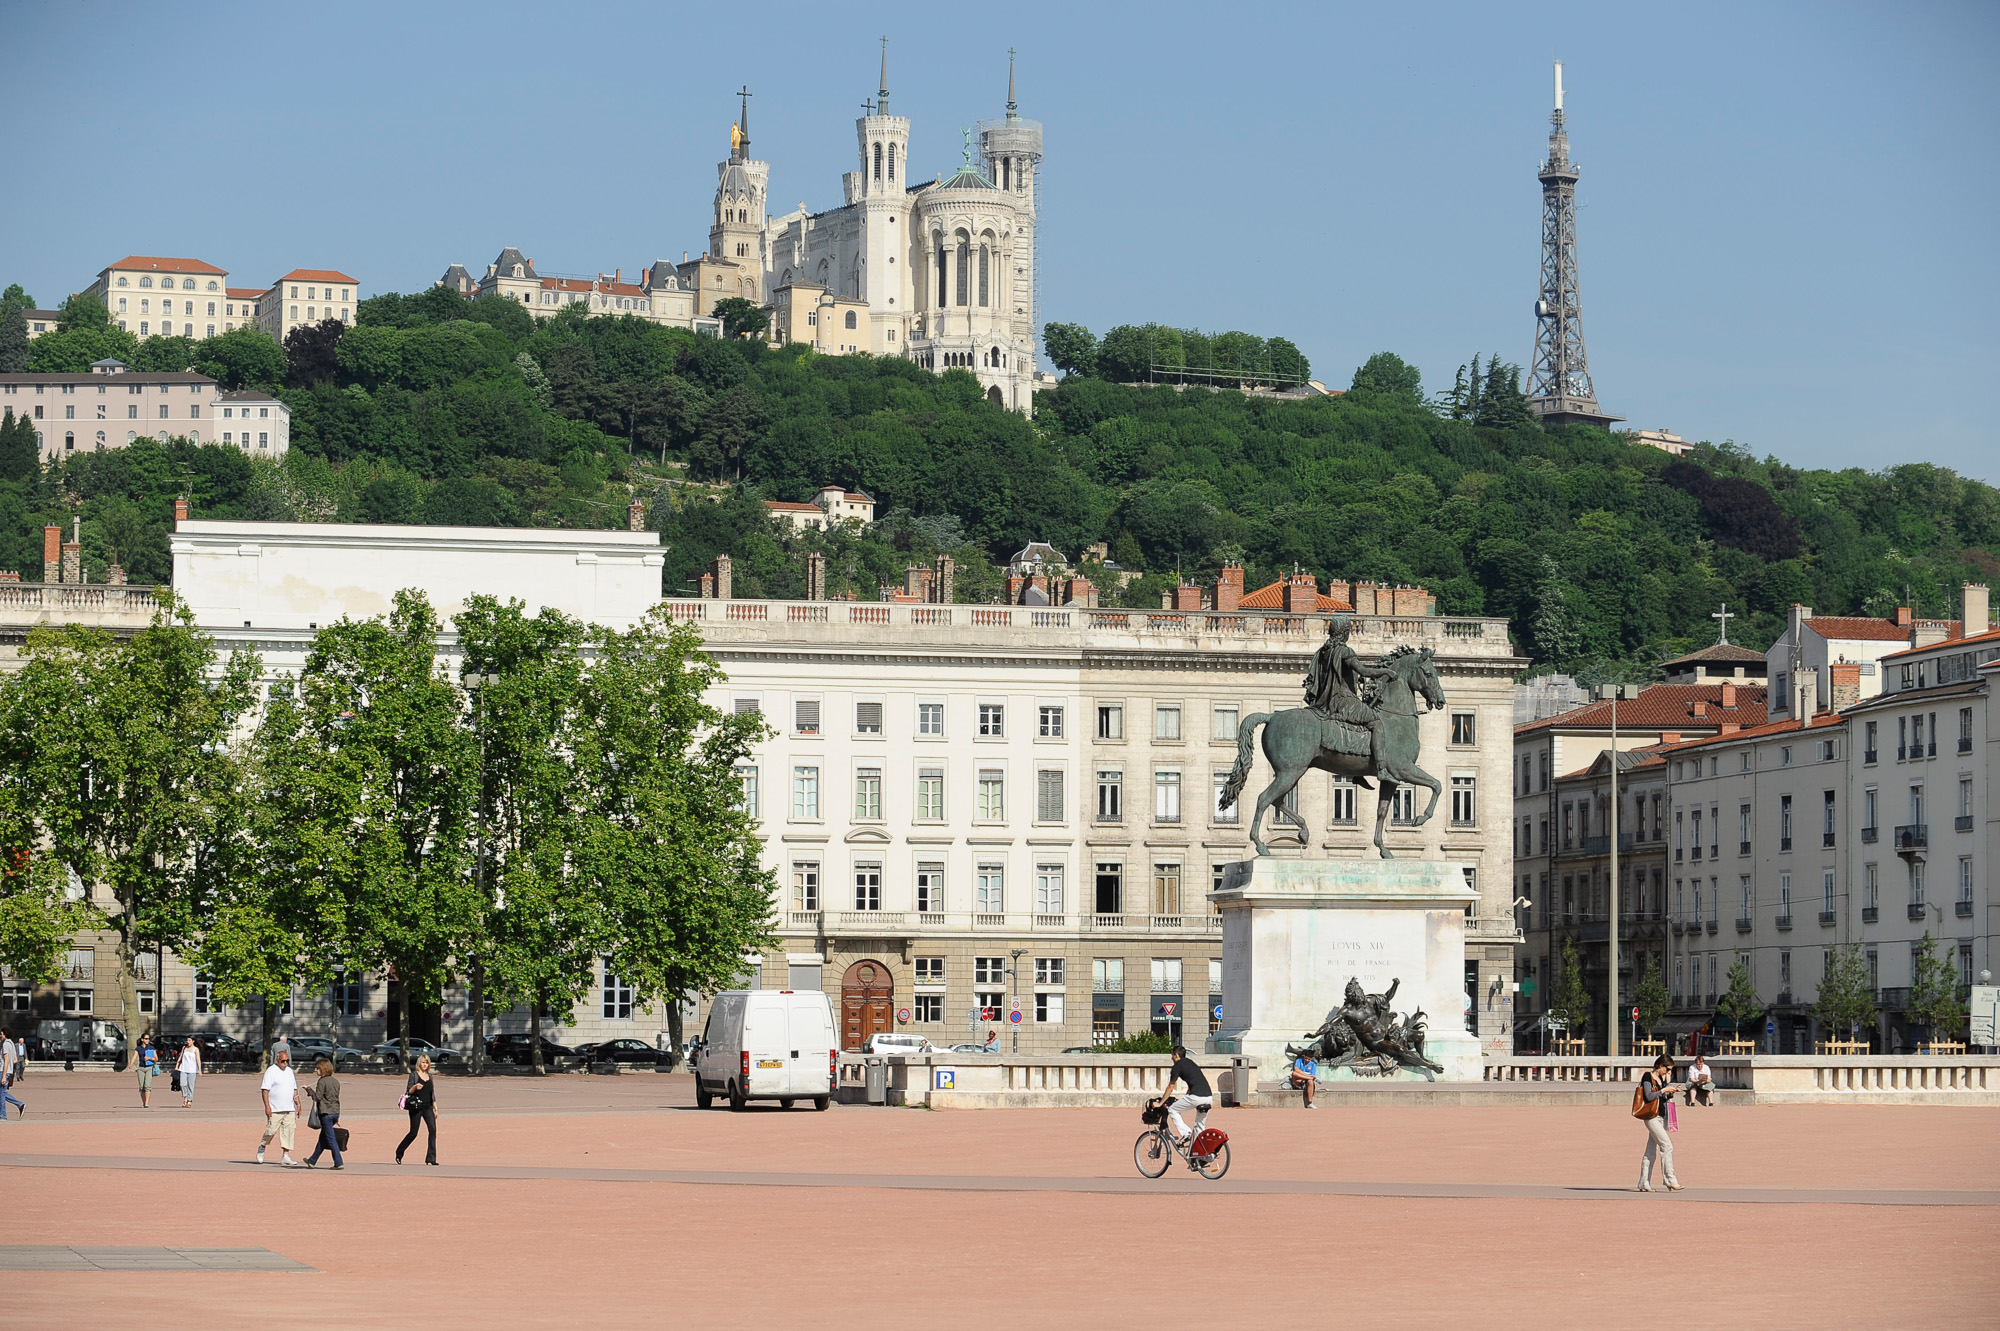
(903, 1016)
(1635, 1014)
(1218, 1012)
(1015, 1016)
(1168, 1008)
(1770, 1027)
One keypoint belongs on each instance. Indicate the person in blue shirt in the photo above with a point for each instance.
(149, 1064)
(1305, 1076)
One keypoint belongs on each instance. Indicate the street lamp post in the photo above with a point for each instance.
(1014, 980)
(1612, 693)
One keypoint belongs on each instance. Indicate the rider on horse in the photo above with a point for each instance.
(1333, 687)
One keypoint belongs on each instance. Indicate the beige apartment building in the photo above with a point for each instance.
(306, 296)
(155, 296)
(239, 307)
(112, 405)
(659, 295)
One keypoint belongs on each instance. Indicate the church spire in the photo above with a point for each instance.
(1013, 107)
(882, 94)
(742, 143)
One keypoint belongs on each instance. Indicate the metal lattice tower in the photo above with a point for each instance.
(1559, 388)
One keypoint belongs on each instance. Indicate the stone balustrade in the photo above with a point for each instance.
(1022, 1081)
(1790, 1078)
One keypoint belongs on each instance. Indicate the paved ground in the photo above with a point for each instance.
(564, 1200)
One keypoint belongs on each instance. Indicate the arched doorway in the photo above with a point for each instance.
(867, 1002)
(993, 396)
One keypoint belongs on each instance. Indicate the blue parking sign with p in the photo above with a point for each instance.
(944, 1079)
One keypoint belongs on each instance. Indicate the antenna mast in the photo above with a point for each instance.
(1559, 387)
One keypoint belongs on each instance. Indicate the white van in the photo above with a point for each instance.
(767, 1044)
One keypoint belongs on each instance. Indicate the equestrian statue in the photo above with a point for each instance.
(1359, 721)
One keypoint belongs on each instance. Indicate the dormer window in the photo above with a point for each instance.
(517, 270)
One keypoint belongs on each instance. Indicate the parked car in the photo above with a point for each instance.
(308, 1049)
(80, 1037)
(624, 1050)
(768, 1044)
(889, 1043)
(393, 1049)
(214, 1045)
(513, 1047)
(971, 1049)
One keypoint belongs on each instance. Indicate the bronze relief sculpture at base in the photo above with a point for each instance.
(1365, 1035)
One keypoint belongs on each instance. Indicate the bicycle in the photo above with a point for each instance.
(1156, 1148)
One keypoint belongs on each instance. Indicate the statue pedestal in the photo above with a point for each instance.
(1294, 932)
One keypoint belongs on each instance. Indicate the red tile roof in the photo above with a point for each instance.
(1819, 721)
(1666, 707)
(1859, 628)
(318, 275)
(1720, 651)
(245, 293)
(786, 506)
(1273, 598)
(1990, 636)
(154, 263)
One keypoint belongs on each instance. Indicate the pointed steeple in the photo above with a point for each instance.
(1013, 107)
(742, 145)
(882, 94)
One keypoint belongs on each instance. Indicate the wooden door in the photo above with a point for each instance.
(867, 1004)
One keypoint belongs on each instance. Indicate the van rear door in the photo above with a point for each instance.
(766, 1042)
(812, 1038)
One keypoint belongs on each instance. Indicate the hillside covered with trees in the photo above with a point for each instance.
(1607, 556)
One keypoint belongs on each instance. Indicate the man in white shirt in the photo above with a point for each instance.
(1701, 1082)
(10, 1065)
(281, 1107)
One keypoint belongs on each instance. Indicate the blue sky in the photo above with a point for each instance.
(1787, 210)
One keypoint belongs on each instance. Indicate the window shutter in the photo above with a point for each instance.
(868, 718)
(806, 713)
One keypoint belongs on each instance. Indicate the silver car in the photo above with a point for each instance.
(440, 1055)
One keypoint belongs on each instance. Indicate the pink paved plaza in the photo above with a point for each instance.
(573, 1199)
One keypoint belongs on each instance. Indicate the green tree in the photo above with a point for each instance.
(246, 357)
(1390, 377)
(1502, 405)
(1846, 999)
(371, 779)
(1569, 999)
(80, 338)
(1740, 1006)
(115, 761)
(20, 450)
(668, 843)
(38, 915)
(14, 306)
(1071, 348)
(741, 317)
(312, 353)
(1651, 999)
(81, 311)
(1557, 635)
(1934, 999)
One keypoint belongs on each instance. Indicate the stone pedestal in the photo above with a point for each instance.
(1294, 932)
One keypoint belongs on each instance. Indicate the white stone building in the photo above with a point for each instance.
(112, 405)
(307, 296)
(156, 296)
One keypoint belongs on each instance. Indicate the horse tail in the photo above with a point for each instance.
(1246, 734)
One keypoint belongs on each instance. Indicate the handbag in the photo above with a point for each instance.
(174, 1080)
(1641, 1107)
(312, 1117)
(1673, 1118)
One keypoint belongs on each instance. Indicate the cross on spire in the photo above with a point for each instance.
(1723, 616)
(868, 105)
(743, 122)
(1013, 107)
(882, 93)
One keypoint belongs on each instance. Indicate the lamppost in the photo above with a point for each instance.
(1014, 979)
(1612, 693)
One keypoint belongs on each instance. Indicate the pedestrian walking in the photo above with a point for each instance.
(1650, 1101)
(420, 1099)
(149, 1065)
(325, 1095)
(188, 1065)
(10, 1068)
(281, 1107)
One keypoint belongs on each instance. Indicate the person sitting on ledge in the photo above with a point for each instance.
(1305, 1076)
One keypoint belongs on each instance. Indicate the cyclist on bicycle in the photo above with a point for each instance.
(1187, 1075)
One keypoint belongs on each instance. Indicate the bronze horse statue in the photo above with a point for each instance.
(1299, 739)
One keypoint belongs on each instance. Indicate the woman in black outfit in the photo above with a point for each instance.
(420, 1098)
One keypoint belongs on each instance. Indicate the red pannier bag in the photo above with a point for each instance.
(1207, 1142)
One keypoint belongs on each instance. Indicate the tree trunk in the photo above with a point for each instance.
(478, 1018)
(128, 986)
(674, 1032)
(403, 1014)
(535, 1037)
(269, 1021)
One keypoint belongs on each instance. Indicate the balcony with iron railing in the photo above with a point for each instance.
(1742, 924)
(1870, 914)
(1869, 834)
(1826, 918)
(1826, 838)
(1785, 920)
(1913, 838)
(1962, 823)
(1893, 1000)
(1743, 848)
(1962, 908)
(1965, 744)
(1918, 910)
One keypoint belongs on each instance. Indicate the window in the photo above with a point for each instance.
(1743, 829)
(992, 720)
(1464, 801)
(1166, 889)
(850, 319)
(204, 995)
(1868, 743)
(1916, 883)
(1826, 896)
(1965, 730)
(930, 718)
(1049, 721)
(989, 895)
(868, 793)
(805, 792)
(1225, 723)
(992, 804)
(1826, 828)
(868, 718)
(805, 885)
(930, 970)
(1110, 721)
(1166, 975)
(1110, 889)
(1049, 796)
(1870, 890)
(1167, 723)
(1965, 804)
(928, 1009)
(1463, 728)
(1049, 1008)
(1785, 756)
(1222, 813)
(805, 716)
(1784, 822)
(930, 794)
(746, 780)
(1049, 901)
(1166, 797)
(1344, 805)
(1107, 975)
(1403, 809)
(867, 886)
(1110, 796)
(1965, 881)
(617, 996)
(930, 895)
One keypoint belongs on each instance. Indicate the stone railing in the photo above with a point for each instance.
(1792, 1078)
(1028, 1081)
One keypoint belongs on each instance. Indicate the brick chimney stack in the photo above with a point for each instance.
(1729, 690)
(1975, 613)
(1229, 587)
(52, 553)
(815, 576)
(180, 510)
(723, 585)
(635, 516)
(1904, 617)
(1187, 596)
(1301, 594)
(1846, 684)
(1080, 591)
(942, 580)
(72, 553)
(708, 586)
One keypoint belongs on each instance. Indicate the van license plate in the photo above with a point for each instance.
(770, 1062)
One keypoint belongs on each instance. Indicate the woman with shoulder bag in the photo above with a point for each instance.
(325, 1095)
(1650, 1100)
(420, 1099)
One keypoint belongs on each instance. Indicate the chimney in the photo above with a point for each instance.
(917, 582)
(635, 516)
(1367, 598)
(180, 510)
(708, 586)
(72, 553)
(1974, 613)
(1846, 684)
(1805, 690)
(1187, 596)
(1729, 694)
(1670, 737)
(1015, 582)
(1229, 587)
(1166, 600)
(9, 575)
(1340, 589)
(1700, 709)
(1301, 594)
(815, 576)
(115, 575)
(1903, 617)
(942, 580)
(52, 553)
(1080, 591)
(722, 578)
(1798, 617)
